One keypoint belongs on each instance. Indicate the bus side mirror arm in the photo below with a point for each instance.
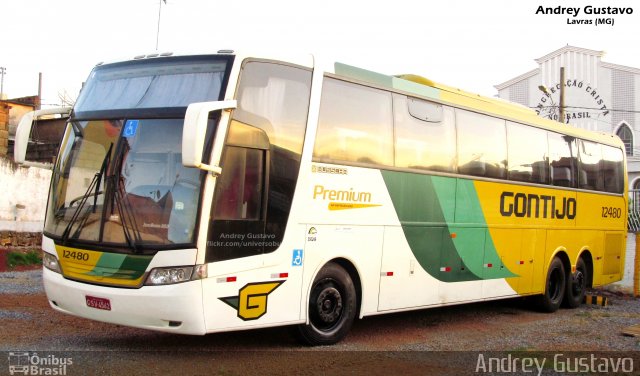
(195, 128)
(24, 131)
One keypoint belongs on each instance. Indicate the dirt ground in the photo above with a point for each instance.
(442, 341)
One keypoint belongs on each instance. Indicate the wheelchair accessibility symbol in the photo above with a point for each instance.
(130, 128)
(296, 259)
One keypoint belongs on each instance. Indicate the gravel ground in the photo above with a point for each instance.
(443, 340)
(21, 283)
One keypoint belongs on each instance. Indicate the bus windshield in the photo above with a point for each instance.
(119, 178)
(152, 84)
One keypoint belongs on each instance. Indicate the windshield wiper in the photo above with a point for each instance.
(128, 222)
(94, 185)
(127, 217)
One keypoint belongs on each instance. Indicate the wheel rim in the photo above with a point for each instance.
(327, 308)
(579, 281)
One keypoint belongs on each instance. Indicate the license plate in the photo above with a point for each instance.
(98, 303)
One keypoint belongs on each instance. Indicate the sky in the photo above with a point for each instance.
(472, 45)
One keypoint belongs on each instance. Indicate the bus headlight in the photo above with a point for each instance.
(168, 276)
(51, 262)
(171, 275)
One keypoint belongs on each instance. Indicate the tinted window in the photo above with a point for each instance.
(424, 110)
(482, 145)
(613, 168)
(275, 98)
(355, 124)
(425, 143)
(240, 187)
(527, 153)
(562, 161)
(590, 174)
(261, 162)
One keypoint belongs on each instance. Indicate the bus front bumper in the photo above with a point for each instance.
(173, 308)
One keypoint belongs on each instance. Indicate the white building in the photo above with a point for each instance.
(598, 96)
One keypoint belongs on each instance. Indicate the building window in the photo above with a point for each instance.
(624, 132)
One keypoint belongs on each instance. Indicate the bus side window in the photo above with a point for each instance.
(425, 135)
(527, 154)
(355, 124)
(562, 160)
(262, 159)
(274, 98)
(590, 172)
(613, 169)
(482, 145)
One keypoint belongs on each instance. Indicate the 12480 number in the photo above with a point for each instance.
(76, 255)
(611, 212)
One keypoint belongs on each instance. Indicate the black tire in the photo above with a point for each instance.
(576, 286)
(554, 288)
(332, 307)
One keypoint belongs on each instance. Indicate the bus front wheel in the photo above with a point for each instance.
(576, 285)
(332, 307)
(555, 288)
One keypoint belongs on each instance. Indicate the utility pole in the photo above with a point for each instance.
(562, 95)
(159, 13)
(544, 89)
(3, 71)
(39, 104)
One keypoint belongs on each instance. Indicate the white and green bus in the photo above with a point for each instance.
(206, 193)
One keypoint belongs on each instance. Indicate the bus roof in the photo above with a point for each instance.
(416, 85)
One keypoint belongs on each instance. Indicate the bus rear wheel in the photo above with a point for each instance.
(332, 307)
(576, 285)
(555, 287)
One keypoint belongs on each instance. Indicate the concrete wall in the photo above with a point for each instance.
(23, 197)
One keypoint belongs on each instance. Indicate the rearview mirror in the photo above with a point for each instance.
(195, 129)
(23, 134)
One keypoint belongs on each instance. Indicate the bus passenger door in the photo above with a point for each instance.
(253, 279)
(234, 246)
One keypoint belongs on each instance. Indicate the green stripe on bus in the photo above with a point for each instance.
(122, 266)
(468, 211)
(386, 81)
(448, 236)
(363, 75)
